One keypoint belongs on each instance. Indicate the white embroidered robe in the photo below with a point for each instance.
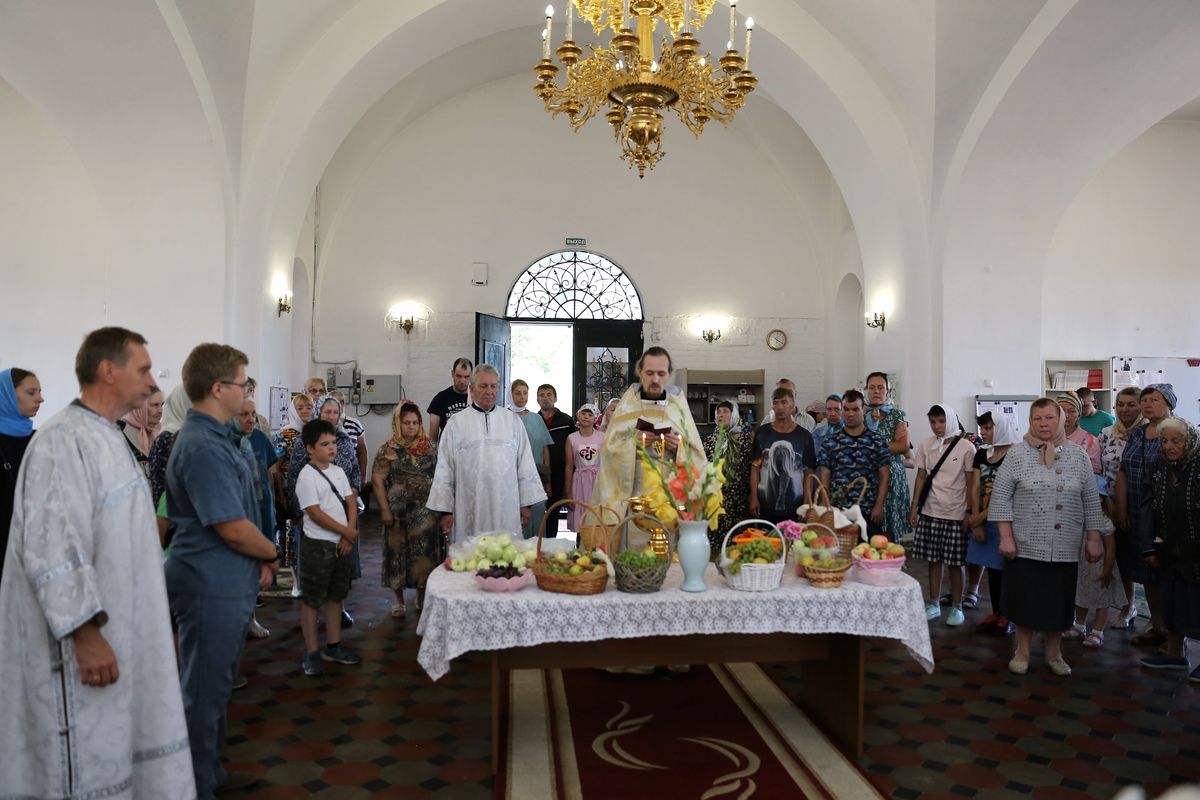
(83, 544)
(485, 472)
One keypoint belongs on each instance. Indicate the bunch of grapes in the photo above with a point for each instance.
(499, 572)
(760, 551)
(638, 559)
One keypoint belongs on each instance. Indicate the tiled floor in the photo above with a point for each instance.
(971, 729)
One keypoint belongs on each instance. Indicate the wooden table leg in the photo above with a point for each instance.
(833, 691)
(497, 708)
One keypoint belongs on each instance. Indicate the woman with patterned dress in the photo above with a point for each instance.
(174, 413)
(1112, 446)
(892, 424)
(735, 448)
(403, 472)
(300, 411)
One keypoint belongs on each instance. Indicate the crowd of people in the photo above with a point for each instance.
(140, 527)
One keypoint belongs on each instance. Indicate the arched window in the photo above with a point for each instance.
(574, 284)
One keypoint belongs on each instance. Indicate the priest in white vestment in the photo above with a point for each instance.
(655, 400)
(486, 478)
(90, 704)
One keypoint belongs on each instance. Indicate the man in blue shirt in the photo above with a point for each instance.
(855, 451)
(219, 556)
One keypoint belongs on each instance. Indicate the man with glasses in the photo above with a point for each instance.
(220, 556)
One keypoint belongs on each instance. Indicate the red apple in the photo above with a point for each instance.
(879, 541)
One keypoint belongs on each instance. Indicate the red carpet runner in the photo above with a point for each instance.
(724, 732)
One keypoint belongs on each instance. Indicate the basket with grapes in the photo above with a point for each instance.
(639, 571)
(753, 560)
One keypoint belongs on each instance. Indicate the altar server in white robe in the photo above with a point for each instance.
(486, 478)
(90, 704)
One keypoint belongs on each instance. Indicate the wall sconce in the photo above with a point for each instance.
(877, 321)
(285, 305)
(710, 335)
(405, 315)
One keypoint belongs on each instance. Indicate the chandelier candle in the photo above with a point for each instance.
(570, 22)
(749, 30)
(732, 21)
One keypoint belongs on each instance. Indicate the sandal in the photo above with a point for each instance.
(970, 600)
(1094, 639)
(1076, 631)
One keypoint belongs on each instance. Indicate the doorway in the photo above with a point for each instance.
(542, 352)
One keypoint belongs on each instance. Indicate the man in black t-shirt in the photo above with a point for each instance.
(782, 455)
(560, 426)
(452, 399)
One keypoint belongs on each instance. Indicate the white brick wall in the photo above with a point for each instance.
(743, 345)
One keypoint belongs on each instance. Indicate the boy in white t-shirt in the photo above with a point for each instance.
(330, 517)
(939, 508)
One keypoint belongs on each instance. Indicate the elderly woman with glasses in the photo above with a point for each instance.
(1175, 552)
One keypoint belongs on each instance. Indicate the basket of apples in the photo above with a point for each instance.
(495, 563)
(574, 572)
(816, 542)
(755, 559)
(878, 561)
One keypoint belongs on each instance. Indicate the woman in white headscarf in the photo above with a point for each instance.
(174, 412)
(939, 508)
(998, 433)
(731, 440)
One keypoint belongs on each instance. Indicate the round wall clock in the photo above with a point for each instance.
(776, 339)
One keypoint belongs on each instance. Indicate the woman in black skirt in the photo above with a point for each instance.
(1176, 497)
(1043, 501)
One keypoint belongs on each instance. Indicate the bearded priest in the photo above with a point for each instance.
(486, 479)
(652, 410)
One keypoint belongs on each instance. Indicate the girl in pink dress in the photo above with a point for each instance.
(583, 461)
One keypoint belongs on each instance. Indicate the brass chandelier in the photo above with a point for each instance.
(635, 84)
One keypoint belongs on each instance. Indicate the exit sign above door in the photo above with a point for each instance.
(576, 242)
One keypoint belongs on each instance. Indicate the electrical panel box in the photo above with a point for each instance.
(380, 390)
(340, 376)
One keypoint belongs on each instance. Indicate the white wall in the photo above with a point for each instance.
(713, 230)
(55, 259)
(1124, 264)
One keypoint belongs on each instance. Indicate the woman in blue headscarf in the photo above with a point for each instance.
(20, 399)
(892, 424)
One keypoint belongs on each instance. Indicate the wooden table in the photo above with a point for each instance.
(825, 628)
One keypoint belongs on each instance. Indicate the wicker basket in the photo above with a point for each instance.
(754, 577)
(796, 559)
(825, 517)
(587, 583)
(638, 580)
(884, 572)
(593, 536)
(827, 577)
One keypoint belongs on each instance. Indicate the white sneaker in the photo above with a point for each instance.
(932, 611)
(955, 617)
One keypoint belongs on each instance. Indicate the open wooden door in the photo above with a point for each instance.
(606, 352)
(493, 345)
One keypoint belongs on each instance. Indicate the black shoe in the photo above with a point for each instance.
(240, 782)
(240, 682)
(347, 620)
(259, 603)
(340, 655)
(312, 663)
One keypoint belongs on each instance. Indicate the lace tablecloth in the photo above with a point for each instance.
(458, 616)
